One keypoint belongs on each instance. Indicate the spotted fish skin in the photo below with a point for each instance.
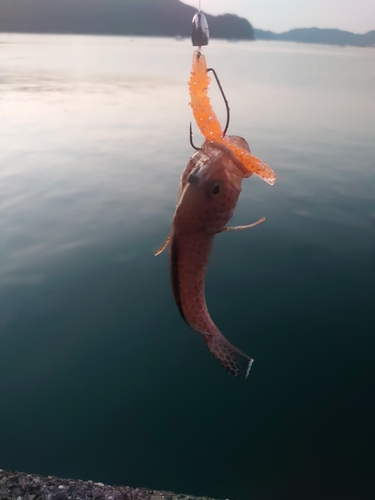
(209, 189)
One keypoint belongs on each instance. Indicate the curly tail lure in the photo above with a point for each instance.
(210, 126)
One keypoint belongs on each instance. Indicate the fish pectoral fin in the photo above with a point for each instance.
(163, 247)
(238, 228)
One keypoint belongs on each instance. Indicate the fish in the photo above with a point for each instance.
(209, 188)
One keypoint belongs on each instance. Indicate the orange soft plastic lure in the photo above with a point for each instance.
(209, 124)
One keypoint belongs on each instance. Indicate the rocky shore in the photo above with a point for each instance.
(22, 486)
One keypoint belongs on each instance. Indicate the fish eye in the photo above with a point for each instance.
(216, 189)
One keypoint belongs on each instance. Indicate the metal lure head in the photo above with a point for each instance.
(199, 34)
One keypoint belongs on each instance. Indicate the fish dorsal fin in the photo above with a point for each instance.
(238, 228)
(163, 247)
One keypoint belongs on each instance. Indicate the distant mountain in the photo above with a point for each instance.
(317, 35)
(114, 17)
(148, 18)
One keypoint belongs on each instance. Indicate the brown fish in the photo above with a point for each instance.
(209, 189)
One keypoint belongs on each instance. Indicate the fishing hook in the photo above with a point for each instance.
(226, 106)
(191, 139)
(225, 99)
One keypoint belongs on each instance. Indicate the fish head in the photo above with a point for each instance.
(209, 189)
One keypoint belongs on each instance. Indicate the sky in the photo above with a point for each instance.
(357, 16)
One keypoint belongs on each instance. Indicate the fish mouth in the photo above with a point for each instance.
(240, 170)
(234, 170)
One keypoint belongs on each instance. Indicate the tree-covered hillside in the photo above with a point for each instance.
(114, 17)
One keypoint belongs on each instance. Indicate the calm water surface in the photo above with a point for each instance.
(99, 376)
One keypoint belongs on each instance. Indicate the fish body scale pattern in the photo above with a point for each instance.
(198, 217)
(192, 260)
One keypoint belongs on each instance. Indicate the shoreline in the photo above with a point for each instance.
(23, 486)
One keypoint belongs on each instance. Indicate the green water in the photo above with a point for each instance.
(99, 376)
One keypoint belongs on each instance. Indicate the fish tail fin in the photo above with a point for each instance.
(234, 361)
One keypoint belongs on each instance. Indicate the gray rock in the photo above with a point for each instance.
(20, 486)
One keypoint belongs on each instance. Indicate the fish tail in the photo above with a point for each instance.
(234, 361)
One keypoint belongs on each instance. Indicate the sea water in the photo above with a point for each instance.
(100, 378)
